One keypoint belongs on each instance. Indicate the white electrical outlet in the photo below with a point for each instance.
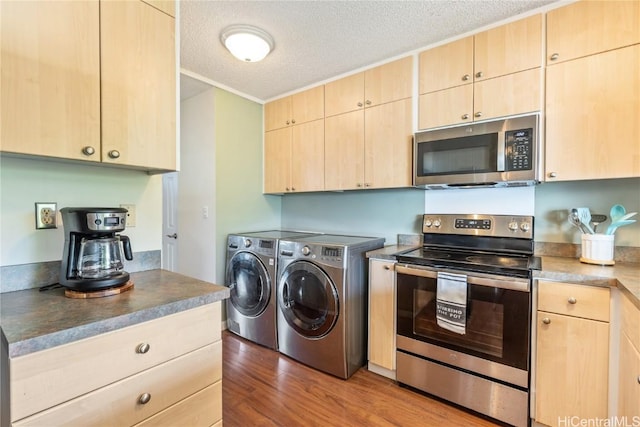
(131, 215)
(46, 215)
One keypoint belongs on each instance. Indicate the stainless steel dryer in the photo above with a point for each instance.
(251, 278)
(322, 301)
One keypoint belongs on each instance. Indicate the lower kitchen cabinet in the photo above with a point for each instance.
(382, 319)
(166, 371)
(572, 352)
(629, 362)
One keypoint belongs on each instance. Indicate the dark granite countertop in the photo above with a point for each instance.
(33, 320)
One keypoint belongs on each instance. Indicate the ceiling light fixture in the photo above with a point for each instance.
(247, 43)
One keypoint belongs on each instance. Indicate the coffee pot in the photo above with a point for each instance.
(93, 255)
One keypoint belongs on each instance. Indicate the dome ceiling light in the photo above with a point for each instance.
(247, 43)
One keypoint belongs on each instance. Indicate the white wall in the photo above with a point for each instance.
(26, 181)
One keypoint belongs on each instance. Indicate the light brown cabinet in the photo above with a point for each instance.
(572, 352)
(629, 362)
(593, 102)
(105, 92)
(368, 143)
(491, 74)
(112, 379)
(382, 318)
(299, 108)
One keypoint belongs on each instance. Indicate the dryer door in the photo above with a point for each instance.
(308, 299)
(249, 284)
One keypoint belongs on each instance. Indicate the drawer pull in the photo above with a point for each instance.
(638, 379)
(386, 267)
(143, 348)
(546, 320)
(572, 300)
(144, 398)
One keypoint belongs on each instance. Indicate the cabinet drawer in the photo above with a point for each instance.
(631, 321)
(46, 378)
(589, 302)
(118, 404)
(203, 409)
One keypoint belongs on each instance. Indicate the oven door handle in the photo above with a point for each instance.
(493, 281)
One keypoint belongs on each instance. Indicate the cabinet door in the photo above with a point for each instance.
(277, 114)
(50, 78)
(628, 380)
(587, 27)
(307, 106)
(509, 48)
(382, 309)
(307, 156)
(277, 161)
(446, 107)
(571, 368)
(515, 93)
(446, 66)
(344, 95)
(344, 151)
(388, 82)
(592, 110)
(138, 85)
(388, 145)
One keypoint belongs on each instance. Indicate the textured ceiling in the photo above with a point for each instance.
(319, 40)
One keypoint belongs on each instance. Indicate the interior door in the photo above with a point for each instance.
(170, 221)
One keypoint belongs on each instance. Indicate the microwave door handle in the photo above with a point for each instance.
(501, 150)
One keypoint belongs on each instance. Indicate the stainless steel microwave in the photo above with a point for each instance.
(496, 153)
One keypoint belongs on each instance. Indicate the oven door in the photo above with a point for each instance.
(496, 340)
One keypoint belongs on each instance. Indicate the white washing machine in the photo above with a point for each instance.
(251, 270)
(322, 301)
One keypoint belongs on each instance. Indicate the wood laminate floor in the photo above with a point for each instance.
(261, 387)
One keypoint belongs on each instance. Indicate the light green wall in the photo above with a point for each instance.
(240, 204)
(26, 181)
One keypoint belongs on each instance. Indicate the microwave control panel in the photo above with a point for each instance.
(519, 149)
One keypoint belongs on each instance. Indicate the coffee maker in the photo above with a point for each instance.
(92, 258)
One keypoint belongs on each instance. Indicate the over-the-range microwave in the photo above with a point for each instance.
(496, 153)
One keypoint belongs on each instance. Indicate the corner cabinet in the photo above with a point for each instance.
(166, 371)
(89, 80)
(491, 74)
(572, 352)
(593, 91)
(382, 318)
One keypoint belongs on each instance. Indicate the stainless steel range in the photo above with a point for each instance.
(464, 313)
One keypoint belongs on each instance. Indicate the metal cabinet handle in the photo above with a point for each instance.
(554, 57)
(478, 114)
(293, 188)
(359, 185)
(552, 174)
(638, 379)
(479, 74)
(88, 150)
(293, 121)
(173, 236)
(114, 154)
(367, 184)
(466, 77)
(465, 117)
(386, 267)
(286, 188)
(143, 348)
(546, 320)
(572, 300)
(144, 398)
(359, 104)
(367, 102)
(287, 122)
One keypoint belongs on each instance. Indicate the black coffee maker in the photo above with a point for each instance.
(93, 253)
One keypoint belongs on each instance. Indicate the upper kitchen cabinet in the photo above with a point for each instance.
(593, 101)
(589, 27)
(299, 108)
(389, 82)
(137, 44)
(90, 81)
(167, 6)
(50, 79)
(491, 74)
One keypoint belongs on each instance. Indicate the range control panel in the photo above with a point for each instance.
(479, 225)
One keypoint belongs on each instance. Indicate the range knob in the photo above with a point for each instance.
(513, 226)
(525, 226)
(427, 223)
(247, 243)
(306, 251)
(436, 223)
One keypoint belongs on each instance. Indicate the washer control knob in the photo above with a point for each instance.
(428, 223)
(305, 250)
(525, 226)
(247, 243)
(513, 226)
(436, 223)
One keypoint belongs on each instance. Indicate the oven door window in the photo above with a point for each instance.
(465, 155)
(308, 299)
(249, 284)
(497, 323)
